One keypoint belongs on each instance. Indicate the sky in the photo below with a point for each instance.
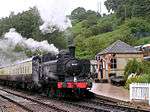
(51, 10)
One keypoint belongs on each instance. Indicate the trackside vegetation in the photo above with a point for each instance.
(141, 71)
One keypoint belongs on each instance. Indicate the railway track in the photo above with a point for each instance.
(120, 103)
(29, 104)
(92, 105)
(111, 106)
(63, 107)
(104, 106)
(87, 107)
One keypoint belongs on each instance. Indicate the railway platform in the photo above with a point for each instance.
(108, 90)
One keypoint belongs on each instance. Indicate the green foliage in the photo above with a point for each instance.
(18, 48)
(92, 17)
(133, 66)
(142, 41)
(27, 24)
(131, 80)
(104, 27)
(145, 78)
(131, 32)
(141, 68)
(146, 67)
(128, 8)
(80, 14)
(130, 23)
(29, 53)
(88, 30)
(113, 4)
(57, 38)
(138, 27)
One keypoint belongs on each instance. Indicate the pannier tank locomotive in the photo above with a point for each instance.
(60, 75)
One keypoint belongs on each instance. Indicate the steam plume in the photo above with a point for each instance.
(12, 38)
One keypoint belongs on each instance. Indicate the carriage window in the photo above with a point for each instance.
(21, 70)
(25, 70)
(28, 69)
(17, 71)
(113, 63)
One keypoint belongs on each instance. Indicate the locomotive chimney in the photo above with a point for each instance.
(72, 50)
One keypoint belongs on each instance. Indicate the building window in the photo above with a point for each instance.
(113, 63)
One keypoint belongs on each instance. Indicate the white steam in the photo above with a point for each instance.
(13, 38)
(47, 27)
(16, 39)
(7, 54)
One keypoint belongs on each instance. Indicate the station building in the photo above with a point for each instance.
(113, 59)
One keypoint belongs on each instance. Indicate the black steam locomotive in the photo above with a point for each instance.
(59, 75)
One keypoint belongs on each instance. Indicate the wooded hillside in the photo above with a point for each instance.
(129, 22)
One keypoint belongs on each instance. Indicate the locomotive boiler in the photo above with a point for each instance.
(60, 75)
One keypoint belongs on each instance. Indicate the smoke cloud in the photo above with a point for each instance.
(47, 27)
(7, 54)
(12, 38)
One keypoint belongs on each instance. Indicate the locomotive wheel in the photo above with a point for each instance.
(23, 85)
(29, 87)
(50, 92)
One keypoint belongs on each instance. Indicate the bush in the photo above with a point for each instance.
(138, 27)
(131, 80)
(145, 78)
(140, 68)
(146, 67)
(133, 66)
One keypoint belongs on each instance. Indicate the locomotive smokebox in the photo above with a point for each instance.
(72, 50)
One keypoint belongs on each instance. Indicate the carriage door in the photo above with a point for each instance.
(36, 70)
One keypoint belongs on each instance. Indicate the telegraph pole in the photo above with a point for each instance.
(99, 8)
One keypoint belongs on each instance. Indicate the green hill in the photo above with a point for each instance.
(92, 32)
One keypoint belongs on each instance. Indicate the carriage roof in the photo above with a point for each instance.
(17, 62)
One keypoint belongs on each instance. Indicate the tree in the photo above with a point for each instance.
(77, 15)
(113, 5)
(80, 14)
(92, 17)
(57, 38)
(26, 23)
(128, 8)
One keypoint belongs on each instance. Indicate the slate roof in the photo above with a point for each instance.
(119, 47)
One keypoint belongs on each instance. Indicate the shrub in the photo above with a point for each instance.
(131, 80)
(142, 69)
(138, 26)
(146, 67)
(145, 78)
(133, 66)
